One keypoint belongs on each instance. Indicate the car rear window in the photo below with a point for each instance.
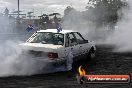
(47, 38)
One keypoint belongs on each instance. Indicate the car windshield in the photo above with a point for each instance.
(47, 38)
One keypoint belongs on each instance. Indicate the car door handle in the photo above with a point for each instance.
(80, 46)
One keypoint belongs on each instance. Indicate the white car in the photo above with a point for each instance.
(58, 49)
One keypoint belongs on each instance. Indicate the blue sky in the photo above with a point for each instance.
(44, 6)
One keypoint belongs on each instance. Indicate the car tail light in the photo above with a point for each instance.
(52, 55)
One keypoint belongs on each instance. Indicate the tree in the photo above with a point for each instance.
(105, 11)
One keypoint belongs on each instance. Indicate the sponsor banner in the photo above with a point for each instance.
(103, 79)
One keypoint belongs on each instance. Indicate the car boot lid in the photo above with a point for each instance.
(40, 47)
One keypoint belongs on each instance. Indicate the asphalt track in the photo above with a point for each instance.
(106, 62)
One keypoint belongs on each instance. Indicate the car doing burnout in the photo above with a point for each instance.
(61, 48)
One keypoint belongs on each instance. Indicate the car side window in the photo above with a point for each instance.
(79, 38)
(72, 39)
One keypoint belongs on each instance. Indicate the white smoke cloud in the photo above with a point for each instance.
(79, 21)
(122, 36)
(13, 59)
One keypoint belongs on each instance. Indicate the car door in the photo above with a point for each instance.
(72, 45)
(83, 44)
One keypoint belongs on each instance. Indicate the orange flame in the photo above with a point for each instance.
(81, 71)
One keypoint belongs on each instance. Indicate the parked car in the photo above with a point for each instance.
(61, 48)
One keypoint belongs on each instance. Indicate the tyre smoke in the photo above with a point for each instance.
(84, 22)
(117, 34)
(121, 38)
(13, 59)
